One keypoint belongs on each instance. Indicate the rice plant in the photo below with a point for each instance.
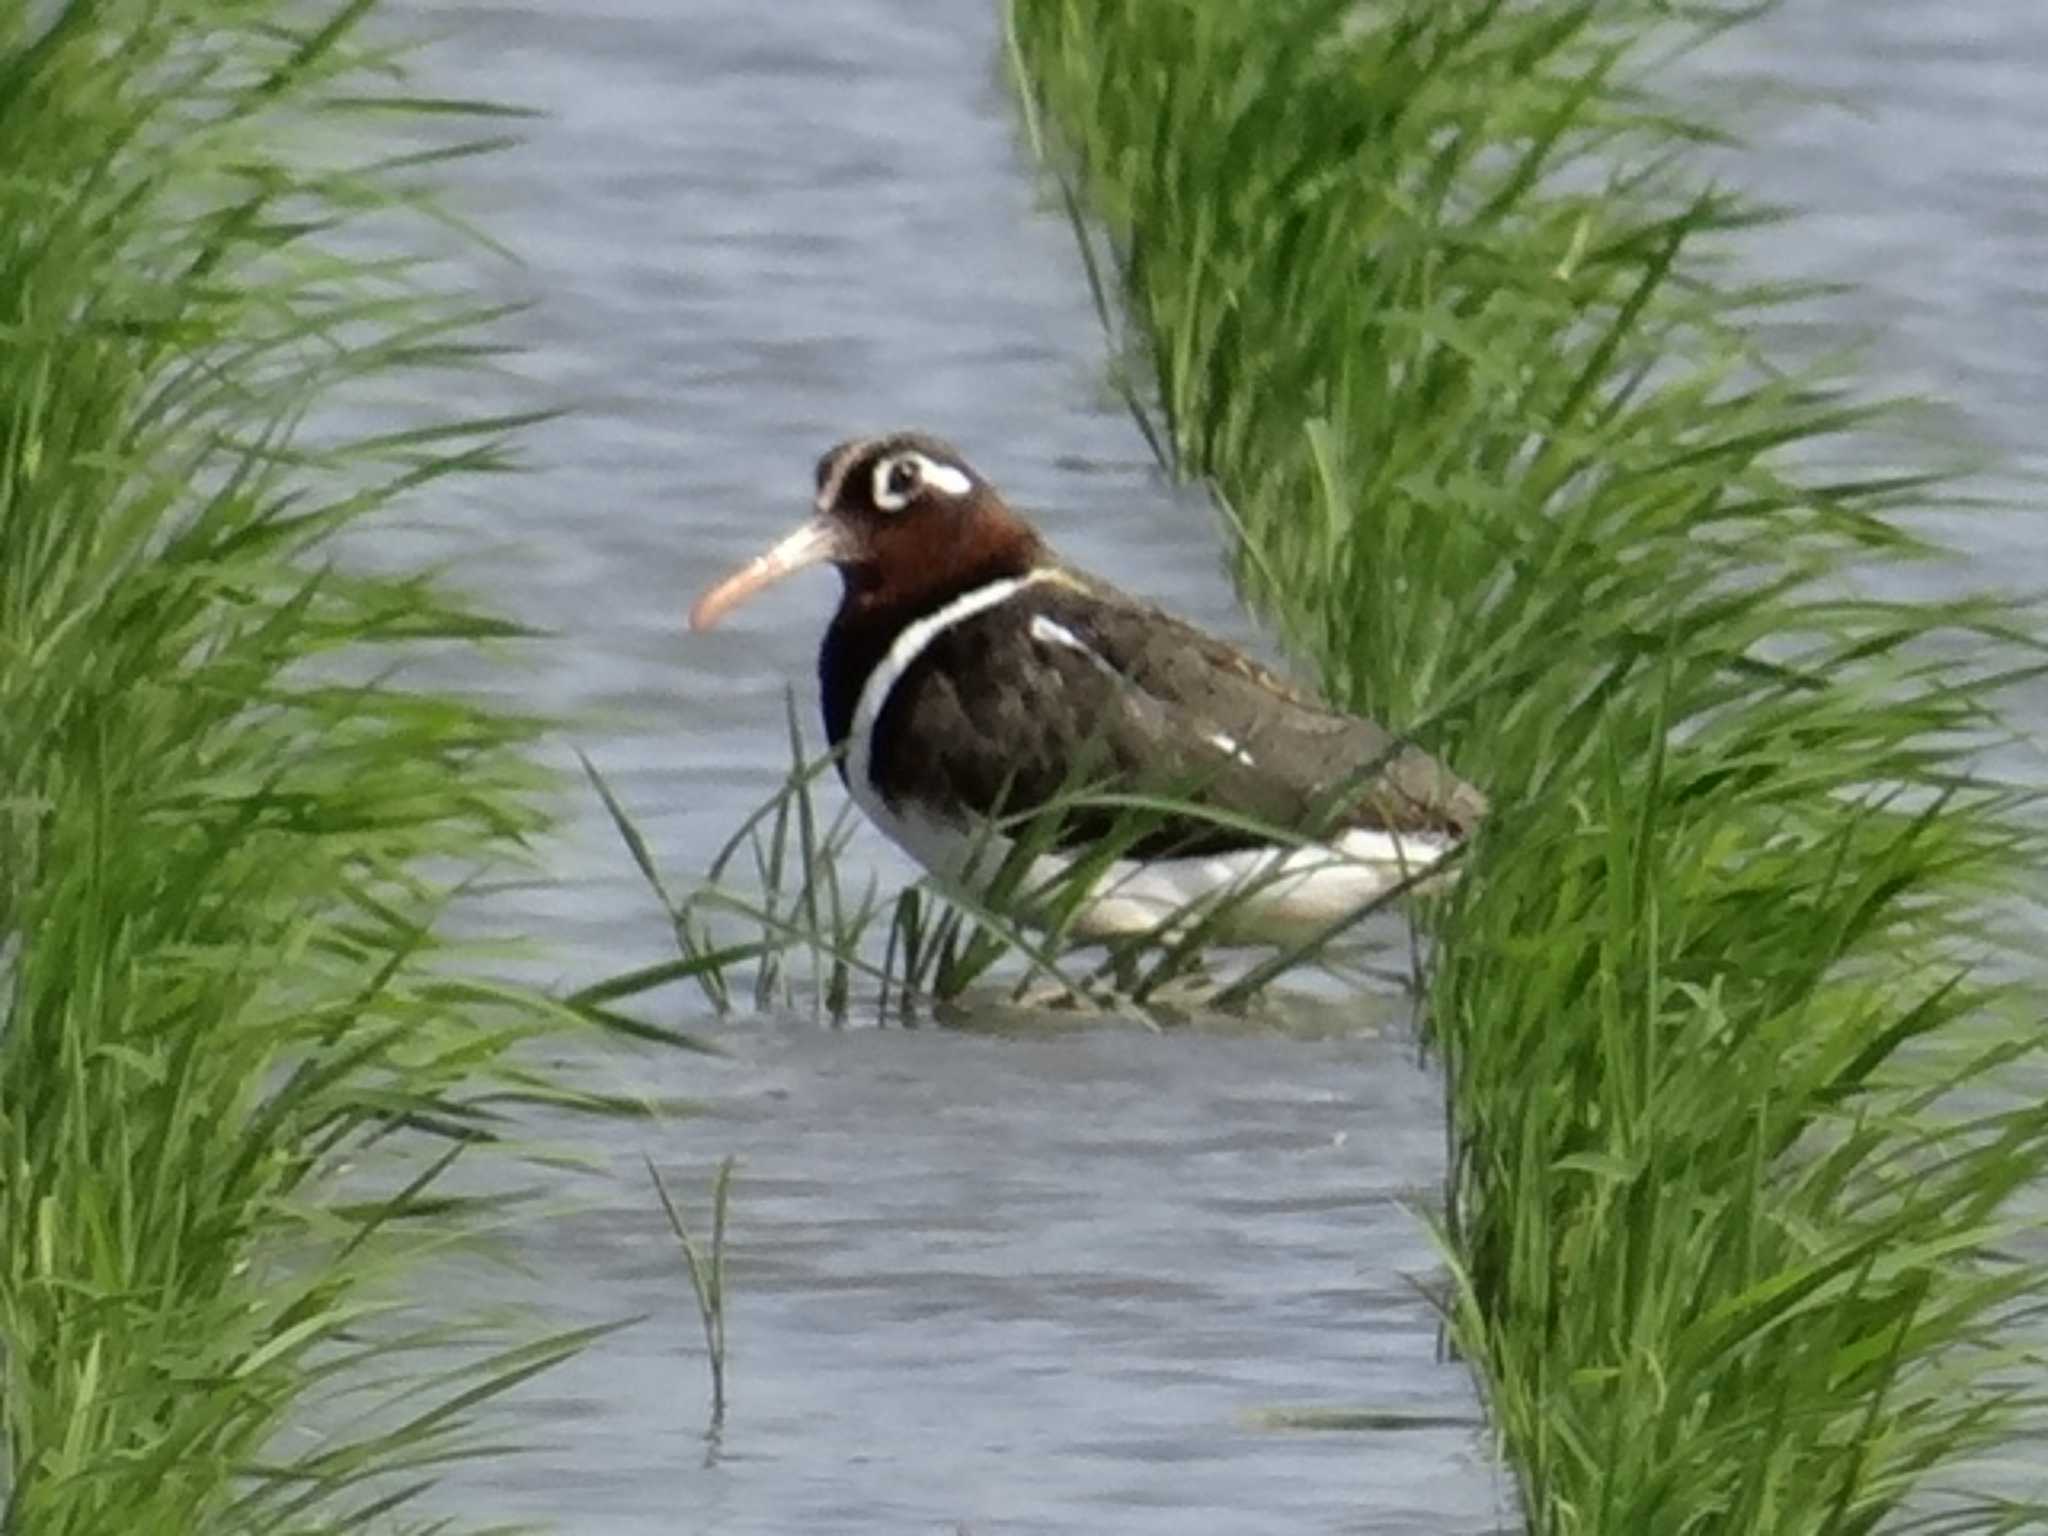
(236, 1057)
(1742, 1056)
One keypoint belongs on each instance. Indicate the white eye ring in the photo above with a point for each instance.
(898, 478)
(893, 491)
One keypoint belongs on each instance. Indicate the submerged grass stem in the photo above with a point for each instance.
(707, 1275)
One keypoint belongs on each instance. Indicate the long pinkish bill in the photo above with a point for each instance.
(814, 541)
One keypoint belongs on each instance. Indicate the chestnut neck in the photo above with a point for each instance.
(918, 564)
(912, 570)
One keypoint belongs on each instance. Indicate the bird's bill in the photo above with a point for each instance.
(815, 541)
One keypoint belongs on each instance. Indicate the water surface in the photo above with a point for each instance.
(1048, 1281)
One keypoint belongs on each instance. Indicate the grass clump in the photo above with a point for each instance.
(1742, 1054)
(773, 921)
(225, 838)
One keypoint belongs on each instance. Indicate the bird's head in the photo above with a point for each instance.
(901, 516)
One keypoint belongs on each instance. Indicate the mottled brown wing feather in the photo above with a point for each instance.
(1072, 685)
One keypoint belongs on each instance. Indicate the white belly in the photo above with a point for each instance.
(1278, 895)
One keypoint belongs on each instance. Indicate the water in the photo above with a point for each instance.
(1022, 1285)
(1013, 1282)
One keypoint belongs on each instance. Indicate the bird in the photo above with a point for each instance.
(972, 682)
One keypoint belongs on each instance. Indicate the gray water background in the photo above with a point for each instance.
(1037, 1281)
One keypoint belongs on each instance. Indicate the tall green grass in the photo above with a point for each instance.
(1748, 1131)
(236, 1060)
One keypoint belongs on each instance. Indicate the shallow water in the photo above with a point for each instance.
(1038, 1280)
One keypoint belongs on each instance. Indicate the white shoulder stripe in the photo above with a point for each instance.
(1046, 632)
(903, 651)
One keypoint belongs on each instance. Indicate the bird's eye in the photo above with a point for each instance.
(896, 481)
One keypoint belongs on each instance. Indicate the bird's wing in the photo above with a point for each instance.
(1070, 685)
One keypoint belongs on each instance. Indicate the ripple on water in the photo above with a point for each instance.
(1010, 1281)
